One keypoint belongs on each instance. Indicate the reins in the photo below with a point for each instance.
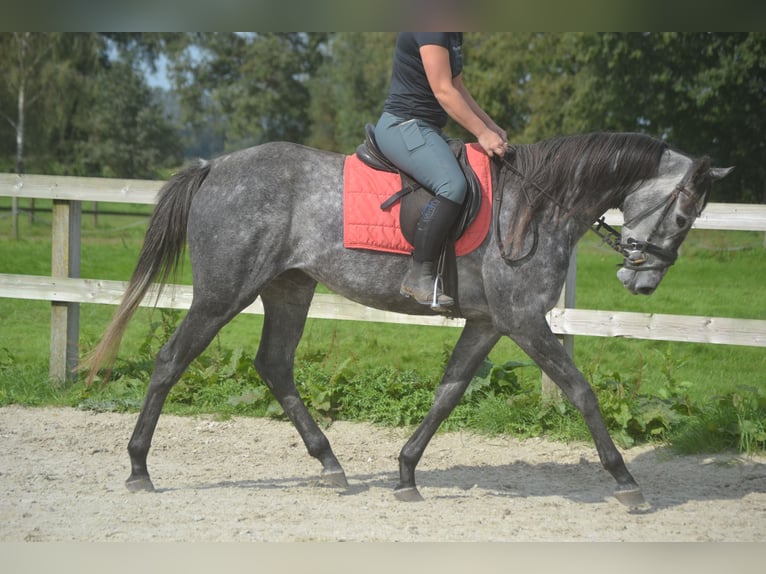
(497, 203)
(606, 232)
(633, 251)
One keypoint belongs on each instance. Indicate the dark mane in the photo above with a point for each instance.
(580, 172)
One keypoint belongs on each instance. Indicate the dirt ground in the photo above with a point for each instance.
(62, 475)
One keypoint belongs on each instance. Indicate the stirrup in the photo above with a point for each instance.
(439, 286)
(438, 290)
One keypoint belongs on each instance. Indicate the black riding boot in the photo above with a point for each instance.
(436, 221)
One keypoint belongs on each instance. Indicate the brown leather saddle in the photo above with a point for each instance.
(413, 196)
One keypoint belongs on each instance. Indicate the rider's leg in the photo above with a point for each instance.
(421, 150)
(436, 220)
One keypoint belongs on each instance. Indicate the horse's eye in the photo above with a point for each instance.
(681, 221)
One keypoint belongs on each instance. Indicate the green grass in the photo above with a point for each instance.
(718, 274)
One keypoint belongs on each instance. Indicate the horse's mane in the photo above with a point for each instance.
(579, 173)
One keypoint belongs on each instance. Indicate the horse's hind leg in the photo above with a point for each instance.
(194, 334)
(286, 303)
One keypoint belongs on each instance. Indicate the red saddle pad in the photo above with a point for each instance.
(367, 226)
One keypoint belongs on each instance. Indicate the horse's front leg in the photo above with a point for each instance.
(476, 341)
(539, 342)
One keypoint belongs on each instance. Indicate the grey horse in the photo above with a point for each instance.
(267, 221)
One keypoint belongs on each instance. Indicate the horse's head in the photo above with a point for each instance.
(658, 216)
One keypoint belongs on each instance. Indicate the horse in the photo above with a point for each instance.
(267, 221)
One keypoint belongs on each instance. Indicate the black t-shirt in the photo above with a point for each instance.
(410, 96)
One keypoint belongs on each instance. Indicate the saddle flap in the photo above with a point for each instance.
(472, 202)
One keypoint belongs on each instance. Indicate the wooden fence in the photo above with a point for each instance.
(66, 290)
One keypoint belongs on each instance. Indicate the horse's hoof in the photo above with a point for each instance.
(408, 494)
(335, 478)
(139, 484)
(632, 498)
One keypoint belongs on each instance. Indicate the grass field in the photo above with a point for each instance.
(718, 274)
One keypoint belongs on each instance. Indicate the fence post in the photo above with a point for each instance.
(65, 262)
(14, 218)
(550, 390)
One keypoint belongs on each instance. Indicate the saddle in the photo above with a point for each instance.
(414, 196)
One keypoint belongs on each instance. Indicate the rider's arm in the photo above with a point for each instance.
(488, 121)
(450, 93)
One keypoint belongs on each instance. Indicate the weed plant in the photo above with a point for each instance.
(499, 400)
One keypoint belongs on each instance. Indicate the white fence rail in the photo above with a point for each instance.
(66, 290)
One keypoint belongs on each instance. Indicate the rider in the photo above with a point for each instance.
(426, 87)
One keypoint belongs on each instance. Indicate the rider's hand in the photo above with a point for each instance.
(493, 143)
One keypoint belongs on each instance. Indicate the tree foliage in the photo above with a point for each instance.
(90, 111)
(94, 113)
(350, 87)
(255, 85)
(702, 92)
(125, 131)
(28, 72)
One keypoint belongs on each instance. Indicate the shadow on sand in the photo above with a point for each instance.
(667, 480)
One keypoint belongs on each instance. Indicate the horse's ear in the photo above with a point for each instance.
(720, 172)
(699, 172)
(702, 170)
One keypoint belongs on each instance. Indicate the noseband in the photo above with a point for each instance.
(635, 252)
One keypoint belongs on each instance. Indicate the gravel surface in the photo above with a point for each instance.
(62, 476)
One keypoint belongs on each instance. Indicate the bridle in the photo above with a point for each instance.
(635, 252)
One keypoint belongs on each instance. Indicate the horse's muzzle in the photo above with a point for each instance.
(641, 281)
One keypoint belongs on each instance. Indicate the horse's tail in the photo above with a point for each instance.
(163, 248)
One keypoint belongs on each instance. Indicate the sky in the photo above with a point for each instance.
(158, 79)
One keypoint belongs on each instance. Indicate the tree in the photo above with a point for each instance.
(702, 92)
(78, 85)
(349, 90)
(125, 133)
(507, 72)
(24, 55)
(255, 84)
